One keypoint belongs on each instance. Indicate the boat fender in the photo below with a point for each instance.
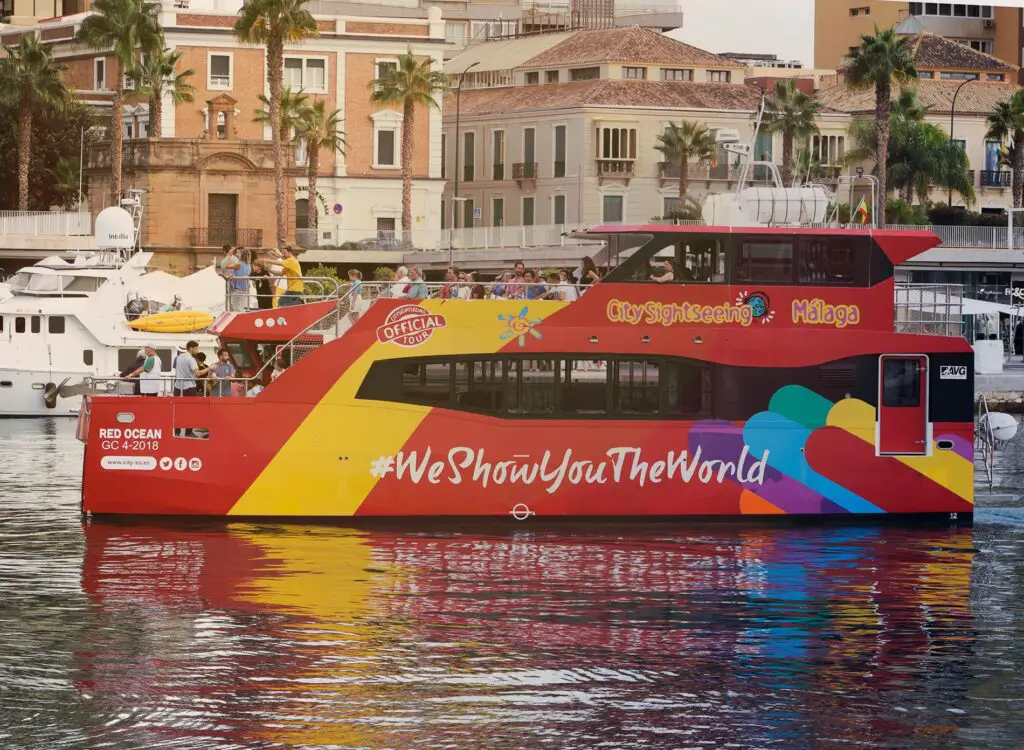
(1003, 426)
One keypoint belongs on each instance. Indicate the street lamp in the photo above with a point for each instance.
(458, 166)
(952, 112)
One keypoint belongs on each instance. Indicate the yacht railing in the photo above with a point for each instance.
(931, 309)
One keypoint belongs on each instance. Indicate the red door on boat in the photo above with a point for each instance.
(903, 405)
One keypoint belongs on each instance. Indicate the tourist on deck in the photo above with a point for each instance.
(401, 285)
(150, 373)
(131, 372)
(478, 292)
(417, 286)
(221, 374)
(263, 284)
(450, 290)
(292, 272)
(668, 273)
(498, 291)
(219, 267)
(202, 375)
(586, 274)
(185, 370)
(533, 287)
(238, 270)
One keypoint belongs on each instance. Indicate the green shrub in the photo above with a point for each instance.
(319, 289)
(383, 273)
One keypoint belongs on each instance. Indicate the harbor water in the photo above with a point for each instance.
(668, 636)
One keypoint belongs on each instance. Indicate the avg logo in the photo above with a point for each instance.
(519, 326)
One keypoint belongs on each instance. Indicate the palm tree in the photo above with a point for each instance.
(320, 129)
(1006, 124)
(66, 181)
(125, 26)
(29, 78)
(292, 104)
(790, 111)
(158, 75)
(878, 62)
(272, 23)
(921, 156)
(679, 144)
(809, 167)
(410, 84)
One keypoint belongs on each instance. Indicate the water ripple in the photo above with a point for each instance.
(278, 636)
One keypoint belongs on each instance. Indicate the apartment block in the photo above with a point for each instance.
(985, 28)
(209, 178)
(563, 128)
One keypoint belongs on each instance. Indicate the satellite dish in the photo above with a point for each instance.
(114, 228)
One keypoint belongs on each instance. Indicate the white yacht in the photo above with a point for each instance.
(62, 322)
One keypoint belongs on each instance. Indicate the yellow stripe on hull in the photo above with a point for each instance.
(174, 321)
(324, 468)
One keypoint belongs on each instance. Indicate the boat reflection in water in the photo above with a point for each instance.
(311, 636)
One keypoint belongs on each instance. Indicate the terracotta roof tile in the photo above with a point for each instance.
(631, 44)
(610, 93)
(976, 98)
(933, 52)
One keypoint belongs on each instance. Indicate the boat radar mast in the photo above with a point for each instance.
(776, 205)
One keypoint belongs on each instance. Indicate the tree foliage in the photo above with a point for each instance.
(56, 138)
(791, 112)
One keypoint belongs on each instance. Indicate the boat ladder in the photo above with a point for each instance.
(985, 439)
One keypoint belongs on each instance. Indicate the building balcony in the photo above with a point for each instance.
(524, 171)
(188, 153)
(668, 171)
(615, 169)
(996, 178)
(219, 236)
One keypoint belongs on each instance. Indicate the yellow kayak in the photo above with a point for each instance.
(174, 321)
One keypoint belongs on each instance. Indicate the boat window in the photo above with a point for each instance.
(6, 384)
(39, 282)
(55, 324)
(427, 383)
(18, 282)
(87, 357)
(523, 386)
(584, 387)
(82, 284)
(1, 323)
(37, 324)
(901, 382)
(240, 355)
(691, 259)
(765, 262)
(636, 387)
(531, 387)
(19, 325)
(826, 260)
(479, 386)
(687, 388)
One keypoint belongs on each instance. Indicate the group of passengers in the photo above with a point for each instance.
(276, 278)
(193, 376)
(518, 283)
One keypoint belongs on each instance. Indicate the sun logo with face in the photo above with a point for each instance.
(519, 326)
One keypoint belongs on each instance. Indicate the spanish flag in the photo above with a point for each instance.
(861, 214)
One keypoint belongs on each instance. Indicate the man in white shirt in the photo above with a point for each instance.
(149, 373)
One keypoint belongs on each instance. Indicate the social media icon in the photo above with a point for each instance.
(180, 463)
(195, 464)
(166, 462)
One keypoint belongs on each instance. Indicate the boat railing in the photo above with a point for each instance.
(315, 289)
(930, 309)
(985, 439)
(166, 385)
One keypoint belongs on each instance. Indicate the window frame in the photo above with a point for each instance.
(387, 121)
(739, 244)
(305, 87)
(99, 84)
(634, 72)
(210, 84)
(677, 75)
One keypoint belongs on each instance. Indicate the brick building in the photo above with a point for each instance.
(209, 179)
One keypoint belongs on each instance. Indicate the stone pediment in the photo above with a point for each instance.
(222, 101)
(225, 161)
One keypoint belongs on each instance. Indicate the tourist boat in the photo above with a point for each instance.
(766, 380)
(64, 322)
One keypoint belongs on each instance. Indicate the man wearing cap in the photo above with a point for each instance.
(150, 372)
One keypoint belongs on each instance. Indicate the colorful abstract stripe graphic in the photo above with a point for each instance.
(822, 460)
